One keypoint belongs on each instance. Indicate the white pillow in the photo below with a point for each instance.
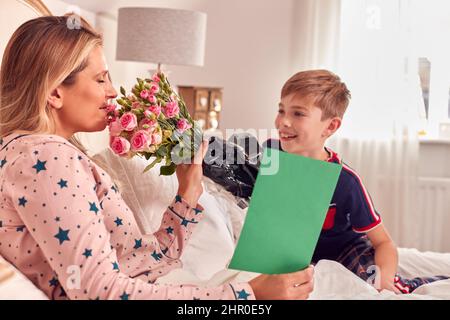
(148, 195)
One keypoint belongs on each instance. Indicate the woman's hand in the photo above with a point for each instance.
(290, 286)
(190, 177)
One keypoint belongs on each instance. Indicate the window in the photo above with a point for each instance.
(424, 73)
(429, 24)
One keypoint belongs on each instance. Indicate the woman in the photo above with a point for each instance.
(63, 222)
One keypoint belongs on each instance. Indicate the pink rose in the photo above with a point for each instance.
(154, 88)
(155, 78)
(140, 141)
(111, 108)
(119, 145)
(156, 138)
(115, 128)
(171, 110)
(183, 125)
(128, 121)
(145, 94)
(148, 114)
(135, 105)
(152, 99)
(148, 125)
(149, 96)
(155, 109)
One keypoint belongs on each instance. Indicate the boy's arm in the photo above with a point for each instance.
(386, 257)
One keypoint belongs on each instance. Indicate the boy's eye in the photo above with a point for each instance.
(101, 81)
(280, 111)
(298, 114)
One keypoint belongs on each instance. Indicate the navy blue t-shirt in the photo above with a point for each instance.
(351, 213)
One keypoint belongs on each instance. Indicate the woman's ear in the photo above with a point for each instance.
(55, 99)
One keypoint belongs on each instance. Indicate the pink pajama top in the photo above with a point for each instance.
(64, 224)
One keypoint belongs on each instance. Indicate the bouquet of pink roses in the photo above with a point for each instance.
(153, 122)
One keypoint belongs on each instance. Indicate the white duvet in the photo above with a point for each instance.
(211, 248)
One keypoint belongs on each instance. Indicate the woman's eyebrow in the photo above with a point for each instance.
(104, 72)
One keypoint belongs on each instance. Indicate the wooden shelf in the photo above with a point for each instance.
(204, 104)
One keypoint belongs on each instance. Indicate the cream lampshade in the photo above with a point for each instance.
(161, 36)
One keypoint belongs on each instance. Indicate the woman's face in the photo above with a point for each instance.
(80, 107)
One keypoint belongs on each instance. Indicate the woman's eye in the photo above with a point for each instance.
(101, 81)
(280, 111)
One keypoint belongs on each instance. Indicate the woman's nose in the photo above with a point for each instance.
(111, 92)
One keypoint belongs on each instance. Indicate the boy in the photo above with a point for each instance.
(312, 106)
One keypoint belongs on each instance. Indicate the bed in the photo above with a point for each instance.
(211, 247)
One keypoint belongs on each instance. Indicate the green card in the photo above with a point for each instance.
(287, 210)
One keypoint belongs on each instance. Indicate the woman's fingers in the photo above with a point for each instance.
(291, 286)
(303, 276)
(302, 291)
(302, 284)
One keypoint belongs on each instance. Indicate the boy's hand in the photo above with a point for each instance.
(389, 285)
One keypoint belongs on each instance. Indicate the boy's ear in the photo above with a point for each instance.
(55, 99)
(333, 126)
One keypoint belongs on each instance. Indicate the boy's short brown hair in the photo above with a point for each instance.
(330, 94)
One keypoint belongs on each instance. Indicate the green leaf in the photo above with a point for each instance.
(122, 91)
(168, 170)
(162, 151)
(138, 112)
(154, 163)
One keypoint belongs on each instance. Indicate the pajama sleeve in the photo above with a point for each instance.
(55, 192)
(165, 245)
(363, 215)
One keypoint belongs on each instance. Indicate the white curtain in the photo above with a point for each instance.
(315, 39)
(379, 134)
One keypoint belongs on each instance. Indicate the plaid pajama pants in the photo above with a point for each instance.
(360, 259)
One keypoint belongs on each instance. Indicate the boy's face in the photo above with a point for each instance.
(300, 127)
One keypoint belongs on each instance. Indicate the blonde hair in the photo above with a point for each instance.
(330, 94)
(42, 54)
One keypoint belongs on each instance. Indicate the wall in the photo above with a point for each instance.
(12, 15)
